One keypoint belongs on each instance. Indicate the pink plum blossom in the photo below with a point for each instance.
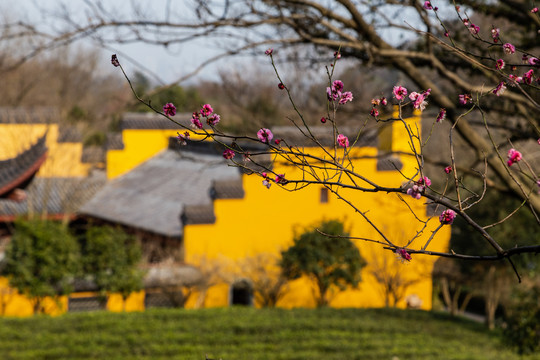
(442, 115)
(207, 110)
(463, 99)
(415, 191)
(495, 33)
(281, 86)
(419, 100)
(474, 29)
(509, 48)
(346, 97)
(338, 86)
(335, 91)
(527, 77)
(337, 55)
(280, 179)
(269, 51)
(169, 109)
(534, 10)
(448, 169)
(265, 135)
(323, 119)
(403, 255)
(213, 119)
(196, 121)
(447, 217)
(419, 187)
(513, 156)
(228, 154)
(374, 112)
(343, 140)
(427, 5)
(424, 181)
(500, 64)
(499, 90)
(114, 60)
(534, 61)
(399, 92)
(182, 138)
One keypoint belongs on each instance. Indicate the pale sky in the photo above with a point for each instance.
(167, 65)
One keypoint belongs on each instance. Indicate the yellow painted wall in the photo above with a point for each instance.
(265, 221)
(14, 304)
(63, 159)
(139, 146)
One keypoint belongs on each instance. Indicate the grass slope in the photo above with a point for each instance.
(246, 333)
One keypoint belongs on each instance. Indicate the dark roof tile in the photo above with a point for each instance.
(16, 171)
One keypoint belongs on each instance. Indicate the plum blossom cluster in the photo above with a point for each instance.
(375, 103)
(419, 187)
(526, 78)
(336, 93)
(403, 255)
(495, 34)
(183, 138)
(513, 156)
(441, 115)
(447, 217)
(419, 99)
(206, 112)
(464, 99)
(279, 179)
(474, 29)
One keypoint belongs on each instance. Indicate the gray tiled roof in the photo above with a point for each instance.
(325, 135)
(18, 170)
(69, 134)
(153, 121)
(53, 196)
(93, 154)
(227, 189)
(114, 141)
(152, 196)
(29, 115)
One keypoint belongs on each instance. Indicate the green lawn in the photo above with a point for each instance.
(246, 333)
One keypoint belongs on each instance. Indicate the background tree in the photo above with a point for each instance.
(42, 260)
(491, 280)
(183, 98)
(391, 278)
(111, 258)
(522, 318)
(325, 255)
(269, 283)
